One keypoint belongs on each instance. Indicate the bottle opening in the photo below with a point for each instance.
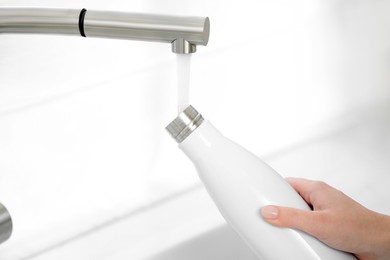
(184, 124)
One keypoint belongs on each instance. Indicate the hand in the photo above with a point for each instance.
(336, 220)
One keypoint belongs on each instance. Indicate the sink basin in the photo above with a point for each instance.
(187, 225)
(219, 243)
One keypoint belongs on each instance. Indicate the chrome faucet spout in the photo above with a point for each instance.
(184, 33)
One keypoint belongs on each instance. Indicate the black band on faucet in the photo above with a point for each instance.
(81, 22)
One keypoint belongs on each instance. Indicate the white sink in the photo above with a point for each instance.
(219, 243)
(188, 226)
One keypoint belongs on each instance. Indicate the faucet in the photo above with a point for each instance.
(184, 33)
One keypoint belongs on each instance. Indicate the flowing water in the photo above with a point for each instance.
(183, 68)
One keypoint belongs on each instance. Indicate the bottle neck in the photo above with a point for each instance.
(205, 143)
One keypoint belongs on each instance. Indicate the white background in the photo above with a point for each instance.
(82, 137)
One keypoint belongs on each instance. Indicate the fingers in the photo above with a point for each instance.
(307, 188)
(306, 221)
(303, 187)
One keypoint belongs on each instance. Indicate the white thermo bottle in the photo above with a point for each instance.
(240, 184)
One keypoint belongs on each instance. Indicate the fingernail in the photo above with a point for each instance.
(270, 212)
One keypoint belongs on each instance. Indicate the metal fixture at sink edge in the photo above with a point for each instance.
(5, 224)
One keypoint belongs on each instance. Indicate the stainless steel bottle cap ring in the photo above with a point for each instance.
(184, 124)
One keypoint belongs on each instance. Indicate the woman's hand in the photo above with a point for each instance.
(336, 220)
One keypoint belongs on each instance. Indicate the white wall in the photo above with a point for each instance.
(82, 137)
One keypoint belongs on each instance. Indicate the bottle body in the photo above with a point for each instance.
(240, 184)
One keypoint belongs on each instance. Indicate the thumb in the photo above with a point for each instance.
(304, 220)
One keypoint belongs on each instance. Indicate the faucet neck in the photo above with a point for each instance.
(184, 33)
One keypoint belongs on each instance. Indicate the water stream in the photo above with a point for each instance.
(183, 71)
